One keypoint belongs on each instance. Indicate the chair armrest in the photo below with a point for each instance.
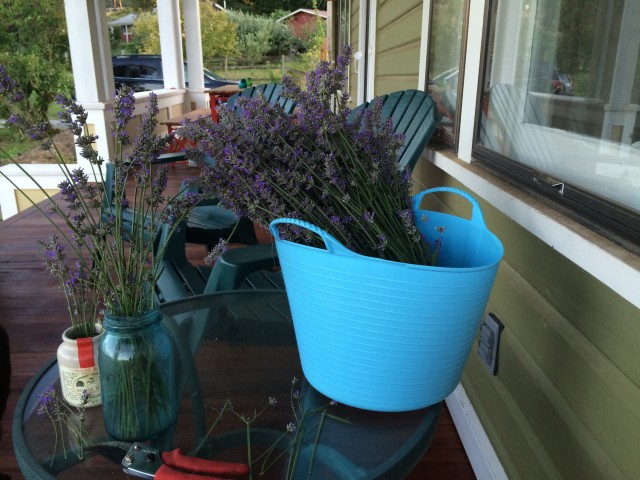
(185, 189)
(233, 266)
(170, 158)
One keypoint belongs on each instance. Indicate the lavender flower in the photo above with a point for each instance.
(111, 259)
(219, 249)
(64, 418)
(75, 117)
(324, 163)
(78, 284)
(49, 403)
(9, 87)
(123, 109)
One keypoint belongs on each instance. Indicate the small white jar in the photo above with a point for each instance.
(78, 367)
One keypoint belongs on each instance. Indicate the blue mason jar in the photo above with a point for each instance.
(138, 376)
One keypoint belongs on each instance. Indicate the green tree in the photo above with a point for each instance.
(219, 38)
(140, 5)
(147, 33)
(315, 45)
(35, 48)
(446, 36)
(259, 35)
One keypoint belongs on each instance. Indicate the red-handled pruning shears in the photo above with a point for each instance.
(147, 462)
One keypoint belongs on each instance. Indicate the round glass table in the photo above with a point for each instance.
(244, 399)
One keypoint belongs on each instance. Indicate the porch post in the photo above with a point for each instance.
(92, 69)
(171, 43)
(193, 40)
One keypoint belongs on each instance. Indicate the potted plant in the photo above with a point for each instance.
(114, 235)
(385, 297)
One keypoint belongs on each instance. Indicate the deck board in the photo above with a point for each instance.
(32, 310)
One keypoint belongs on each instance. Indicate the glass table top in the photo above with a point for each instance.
(242, 385)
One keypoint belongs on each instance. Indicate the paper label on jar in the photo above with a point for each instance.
(75, 381)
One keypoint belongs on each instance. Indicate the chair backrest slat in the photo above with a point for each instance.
(272, 93)
(414, 115)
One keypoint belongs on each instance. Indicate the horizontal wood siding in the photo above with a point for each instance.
(397, 45)
(564, 403)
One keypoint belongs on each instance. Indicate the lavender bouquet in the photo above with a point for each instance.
(111, 236)
(323, 164)
(113, 251)
(77, 281)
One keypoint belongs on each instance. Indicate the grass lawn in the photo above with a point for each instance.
(270, 73)
(11, 143)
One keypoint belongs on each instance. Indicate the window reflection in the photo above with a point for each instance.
(445, 43)
(562, 92)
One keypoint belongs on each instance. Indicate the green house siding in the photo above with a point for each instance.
(397, 45)
(564, 403)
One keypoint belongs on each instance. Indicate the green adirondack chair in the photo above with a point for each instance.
(414, 114)
(208, 222)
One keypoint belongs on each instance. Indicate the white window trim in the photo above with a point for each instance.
(361, 55)
(371, 50)
(424, 45)
(613, 265)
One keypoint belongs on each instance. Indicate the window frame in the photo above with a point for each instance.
(613, 221)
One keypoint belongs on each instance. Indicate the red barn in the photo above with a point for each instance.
(303, 21)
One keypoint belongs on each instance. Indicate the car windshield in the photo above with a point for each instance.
(207, 74)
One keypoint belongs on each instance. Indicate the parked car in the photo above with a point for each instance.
(144, 73)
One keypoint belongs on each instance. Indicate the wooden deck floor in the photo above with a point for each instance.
(32, 311)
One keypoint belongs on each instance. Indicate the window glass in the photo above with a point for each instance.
(561, 94)
(445, 44)
(343, 30)
(144, 71)
(120, 71)
(344, 15)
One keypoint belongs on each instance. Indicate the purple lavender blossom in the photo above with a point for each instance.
(9, 87)
(54, 251)
(219, 249)
(369, 216)
(123, 108)
(77, 284)
(117, 245)
(48, 404)
(323, 163)
(147, 145)
(74, 116)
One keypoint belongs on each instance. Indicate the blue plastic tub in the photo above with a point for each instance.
(383, 335)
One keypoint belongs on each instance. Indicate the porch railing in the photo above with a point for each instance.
(48, 176)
